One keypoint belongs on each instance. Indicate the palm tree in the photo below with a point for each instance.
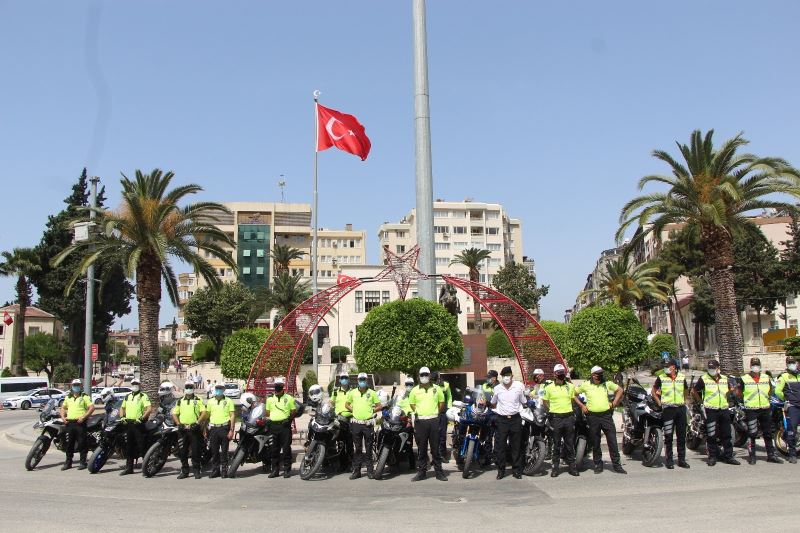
(144, 235)
(712, 191)
(472, 259)
(286, 293)
(626, 285)
(282, 255)
(20, 263)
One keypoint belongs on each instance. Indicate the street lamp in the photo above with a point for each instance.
(351, 342)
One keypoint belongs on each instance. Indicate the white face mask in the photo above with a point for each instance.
(713, 371)
(792, 367)
(135, 388)
(506, 380)
(756, 369)
(424, 379)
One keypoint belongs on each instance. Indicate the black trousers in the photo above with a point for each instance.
(76, 438)
(763, 418)
(134, 441)
(426, 433)
(508, 429)
(603, 423)
(192, 441)
(719, 433)
(563, 438)
(282, 447)
(347, 437)
(363, 436)
(443, 423)
(793, 416)
(218, 440)
(674, 419)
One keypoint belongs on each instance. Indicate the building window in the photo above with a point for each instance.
(246, 252)
(476, 230)
(246, 271)
(459, 214)
(492, 231)
(401, 248)
(259, 271)
(492, 215)
(790, 300)
(439, 246)
(228, 272)
(440, 213)
(371, 299)
(460, 230)
(441, 230)
(756, 330)
(400, 234)
(359, 302)
(793, 323)
(460, 245)
(442, 261)
(483, 278)
(384, 297)
(2, 330)
(494, 262)
(33, 330)
(494, 247)
(260, 253)
(221, 272)
(773, 324)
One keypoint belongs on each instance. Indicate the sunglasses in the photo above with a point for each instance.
(424, 374)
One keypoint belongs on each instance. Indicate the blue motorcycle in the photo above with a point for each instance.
(471, 436)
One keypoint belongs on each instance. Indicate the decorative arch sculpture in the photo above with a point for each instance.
(282, 353)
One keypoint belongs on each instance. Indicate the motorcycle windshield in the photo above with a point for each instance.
(255, 413)
(48, 410)
(325, 413)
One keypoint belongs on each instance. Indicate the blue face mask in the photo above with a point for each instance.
(362, 384)
(76, 389)
(219, 392)
(344, 381)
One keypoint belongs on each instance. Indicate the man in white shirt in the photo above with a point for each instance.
(507, 399)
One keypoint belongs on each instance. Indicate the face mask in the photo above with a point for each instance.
(506, 380)
(344, 381)
(599, 377)
(76, 389)
(424, 379)
(561, 376)
(189, 392)
(219, 392)
(362, 384)
(135, 388)
(278, 388)
(756, 369)
(792, 367)
(713, 372)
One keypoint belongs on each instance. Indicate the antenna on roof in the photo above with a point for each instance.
(282, 185)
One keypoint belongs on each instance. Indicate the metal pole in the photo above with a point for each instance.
(315, 224)
(88, 332)
(424, 172)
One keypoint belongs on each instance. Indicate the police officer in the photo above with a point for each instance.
(221, 422)
(427, 401)
(539, 383)
(558, 398)
(339, 398)
(788, 390)
(670, 391)
(76, 409)
(189, 414)
(363, 402)
(599, 411)
(490, 383)
(135, 410)
(756, 388)
(281, 408)
(507, 399)
(443, 422)
(712, 390)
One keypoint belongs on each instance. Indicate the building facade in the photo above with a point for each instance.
(36, 321)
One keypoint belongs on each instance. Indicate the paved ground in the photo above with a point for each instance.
(734, 498)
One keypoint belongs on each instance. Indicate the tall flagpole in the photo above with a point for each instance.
(315, 224)
(424, 172)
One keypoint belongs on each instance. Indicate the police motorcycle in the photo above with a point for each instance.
(323, 444)
(583, 444)
(739, 420)
(641, 423)
(536, 433)
(166, 435)
(255, 442)
(472, 419)
(395, 437)
(696, 422)
(54, 431)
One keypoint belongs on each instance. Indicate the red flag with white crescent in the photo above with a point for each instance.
(341, 130)
(7, 318)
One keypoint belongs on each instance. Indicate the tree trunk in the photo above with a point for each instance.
(148, 295)
(22, 300)
(717, 246)
(473, 276)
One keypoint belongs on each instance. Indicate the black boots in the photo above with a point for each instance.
(214, 473)
(184, 472)
(288, 473)
(556, 469)
(682, 463)
(774, 459)
(598, 467)
(616, 467)
(573, 470)
(128, 469)
(67, 464)
(421, 474)
(440, 476)
(197, 474)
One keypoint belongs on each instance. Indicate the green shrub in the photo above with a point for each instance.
(240, 350)
(339, 354)
(308, 380)
(609, 336)
(663, 342)
(6, 373)
(204, 351)
(65, 372)
(498, 345)
(559, 332)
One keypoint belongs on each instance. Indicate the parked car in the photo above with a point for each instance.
(34, 398)
(232, 390)
(12, 387)
(128, 377)
(119, 393)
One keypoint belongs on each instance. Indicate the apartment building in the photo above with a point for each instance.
(36, 321)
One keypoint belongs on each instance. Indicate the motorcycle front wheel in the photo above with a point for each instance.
(383, 457)
(652, 446)
(534, 459)
(780, 441)
(468, 456)
(627, 445)
(739, 438)
(98, 459)
(312, 461)
(580, 451)
(154, 459)
(238, 459)
(38, 450)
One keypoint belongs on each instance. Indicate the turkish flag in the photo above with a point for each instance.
(343, 278)
(341, 130)
(7, 318)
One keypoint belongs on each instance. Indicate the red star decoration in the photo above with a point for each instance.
(401, 268)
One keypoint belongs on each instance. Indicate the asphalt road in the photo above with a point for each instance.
(724, 497)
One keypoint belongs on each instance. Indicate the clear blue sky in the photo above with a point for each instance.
(551, 109)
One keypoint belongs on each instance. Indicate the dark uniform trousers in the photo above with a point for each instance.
(603, 423)
(363, 435)
(346, 436)
(674, 419)
(508, 427)
(563, 437)
(218, 440)
(192, 440)
(282, 447)
(719, 433)
(426, 433)
(763, 418)
(134, 441)
(76, 437)
(793, 415)
(443, 422)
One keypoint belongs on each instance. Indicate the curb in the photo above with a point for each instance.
(11, 436)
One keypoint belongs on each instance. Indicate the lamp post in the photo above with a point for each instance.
(83, 232)
(351, 342)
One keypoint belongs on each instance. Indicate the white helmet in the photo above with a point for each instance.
(106, 394)
(409, 381)
(315, 393)
(165, 390)
(538, 372)
(248, 400)
(76, 381)
(384, 396)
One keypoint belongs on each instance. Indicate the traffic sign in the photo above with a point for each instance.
(94, 352)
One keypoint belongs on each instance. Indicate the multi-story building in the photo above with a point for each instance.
(128, 338)
(340, 247)
(36, 321)
(589, 295)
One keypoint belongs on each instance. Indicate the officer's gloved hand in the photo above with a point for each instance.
(194, 427)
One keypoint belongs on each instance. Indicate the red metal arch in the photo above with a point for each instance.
(283, 351)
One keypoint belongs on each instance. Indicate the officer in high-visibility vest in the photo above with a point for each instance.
(221, 422)
(755, 389)
(670, 391)
(427, 401)
(189, 414)
(788, 390)
(490, 383)
(599, 411)
(558, 398)
(280, 410)
(75, 411)
(339, 398)
(363, 402)
(443, 422)
(711, 390)
(135, 411)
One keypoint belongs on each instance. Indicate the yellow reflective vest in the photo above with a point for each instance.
(756, 394)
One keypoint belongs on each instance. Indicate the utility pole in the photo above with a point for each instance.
(424, 172)
(89, 331)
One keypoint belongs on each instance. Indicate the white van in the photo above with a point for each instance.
(10, 387)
